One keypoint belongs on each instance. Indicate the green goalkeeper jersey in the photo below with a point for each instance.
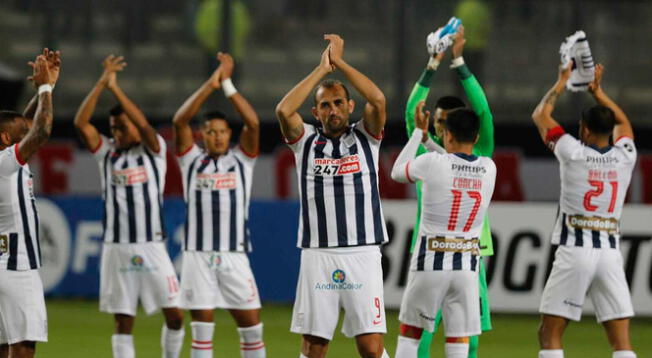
(484, 147)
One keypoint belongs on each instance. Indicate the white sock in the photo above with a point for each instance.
(624, 354)
(123, 346)
(551, 353)
(202, 339)
(406, 347)
(457, 350)
(385, 354)
(171, 342)
(302, 356)
(251, 341)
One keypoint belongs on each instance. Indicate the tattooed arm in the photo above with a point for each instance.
(542, 115)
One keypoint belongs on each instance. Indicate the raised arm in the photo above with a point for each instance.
(374, 111)
(181, 129)
(476, 96)
(401, 168)
(286, 111)
(542, 115)
(54, 66)
(41, 128)
(132, 111)
(623, 126)
(249, 137)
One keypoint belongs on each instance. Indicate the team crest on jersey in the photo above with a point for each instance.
(336, 166)
(216, 181)
(129, 176)
(4, 244)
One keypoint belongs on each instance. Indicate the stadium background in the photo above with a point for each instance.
(168, 45)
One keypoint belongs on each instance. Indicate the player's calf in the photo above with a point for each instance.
(408, 341)
(618, 335)
(25, 349)
(370, 345)
(313, 346)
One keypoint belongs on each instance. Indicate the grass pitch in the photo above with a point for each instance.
(78, 329)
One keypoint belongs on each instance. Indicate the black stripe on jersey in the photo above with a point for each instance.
(421, 256)
(322, 228)
(375, 197)
(116, 208)
(233, 231)
(27, 235)
(199, 211)
(245, 228)
(215, 215)
(38, 233)
(148, 208)
(12, 262)
(612, 241)
(457, 261)
(438, 263)
(340, 202)
(474, 262)
(106, 185)
(159, 190)
(305, 215)
(358, 189)
(579, 239)
(131, 207)
(564, 231)
(595, 235)
(188, 182)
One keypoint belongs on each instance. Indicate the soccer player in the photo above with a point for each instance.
(341, 224)
(484, 147)
(135, 264)
(457, 188)
(594, 176)
(23, 320)
(217, 182)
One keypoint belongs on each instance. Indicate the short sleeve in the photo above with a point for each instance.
(102, 148)
(360, 125)
(297, 144)
(419, 167)
(188, 156)
(627, 147)
(162, 148)
(10, 160)
(244, 156)
(566, 146)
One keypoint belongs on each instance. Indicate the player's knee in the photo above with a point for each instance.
(548, 334)
(374, 350)
(174, 319)
(410, 331)
(24, 349)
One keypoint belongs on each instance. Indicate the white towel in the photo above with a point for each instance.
(576, 48)
(438, 41)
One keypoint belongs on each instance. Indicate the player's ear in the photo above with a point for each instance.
(5, 139)
(314, 113)
(351, 106)
(477, 136)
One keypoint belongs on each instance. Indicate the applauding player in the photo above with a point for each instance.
(135, 263)
(594, 179)
(341, 224)
(217, 182)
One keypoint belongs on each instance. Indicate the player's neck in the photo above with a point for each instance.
(464, 148)
(596, 142)
(334, 134)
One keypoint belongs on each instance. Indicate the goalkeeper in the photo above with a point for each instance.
(484, 147)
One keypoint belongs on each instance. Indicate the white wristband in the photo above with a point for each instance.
(433, 63)
(457, 62)
(44, 88)
(228, 88)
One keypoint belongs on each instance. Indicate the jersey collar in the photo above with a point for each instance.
(467, 157)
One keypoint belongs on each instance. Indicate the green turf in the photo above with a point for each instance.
(77, 329)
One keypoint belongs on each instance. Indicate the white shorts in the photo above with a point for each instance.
(456, 293)
(130, 272)
(578, 272)
(22, 307)
(212, 280)
(330, 279)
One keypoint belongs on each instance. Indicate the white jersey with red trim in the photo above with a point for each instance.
(217, 192)
(594, 183)
(338, 187)
(19, 234)
(456, 192)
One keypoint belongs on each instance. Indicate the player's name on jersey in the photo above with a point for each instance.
(444, 244)
(593, 223)
(467, 183)
(595, 174)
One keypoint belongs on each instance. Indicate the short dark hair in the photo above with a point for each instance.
(116, 110)
(599, 119)
(212, 115)
(7, 117)
(330, 83)
(463, 124)
(449, 102)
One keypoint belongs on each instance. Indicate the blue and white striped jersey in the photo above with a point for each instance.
(217, 192)
(19, 232)
(132, 188)
(338, 187)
